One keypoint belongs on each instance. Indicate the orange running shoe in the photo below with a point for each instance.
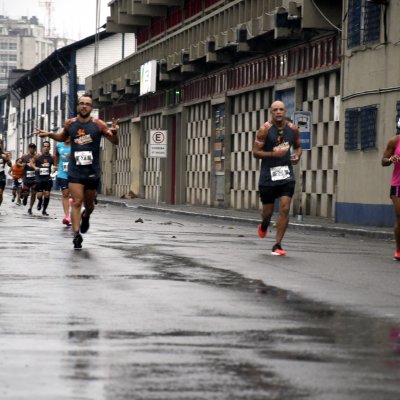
(261, 233)
(277, 250)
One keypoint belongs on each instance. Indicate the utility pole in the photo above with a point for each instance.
(49, 5)
(96, 44)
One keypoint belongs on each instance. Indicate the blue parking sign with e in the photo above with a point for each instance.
(303, 120)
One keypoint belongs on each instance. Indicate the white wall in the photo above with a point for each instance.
(110, 52)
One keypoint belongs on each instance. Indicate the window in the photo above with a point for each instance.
(360, 128)
(364, 22)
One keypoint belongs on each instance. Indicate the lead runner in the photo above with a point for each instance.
(84, 170)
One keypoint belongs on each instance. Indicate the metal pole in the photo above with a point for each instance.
(158, 181)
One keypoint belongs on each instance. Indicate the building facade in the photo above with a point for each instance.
(23, 44)
(220, 64)
(47, 94)
(370, 93)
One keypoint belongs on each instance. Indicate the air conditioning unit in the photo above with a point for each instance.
(163, 71)
(173, 61)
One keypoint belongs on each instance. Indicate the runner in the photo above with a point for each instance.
(4, 160)
(29, 183)
(61, 160)
(42, 163)
(84, 167)
(17, 173)
(391, 156)
(272, 145)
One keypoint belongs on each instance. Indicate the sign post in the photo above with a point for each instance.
(158, 149)
(303, 120)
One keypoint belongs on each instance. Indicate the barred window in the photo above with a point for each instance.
(363, 22)
(360, 128)
(351, 129)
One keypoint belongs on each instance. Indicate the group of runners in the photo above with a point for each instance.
(77, 162)
(76, 166)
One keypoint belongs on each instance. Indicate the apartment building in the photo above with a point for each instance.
(23, 44)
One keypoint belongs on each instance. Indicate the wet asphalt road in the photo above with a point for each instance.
(179, 308)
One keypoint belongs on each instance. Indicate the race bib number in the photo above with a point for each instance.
(65, 166)
(280, 173)
(44, 171)
(30, 174)
(83, 157)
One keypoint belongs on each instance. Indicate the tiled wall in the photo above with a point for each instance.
(151, 164)
(122, 165)
(319, 166)
(249, 112)
(198, 154)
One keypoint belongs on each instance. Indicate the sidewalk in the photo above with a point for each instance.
(252, 217)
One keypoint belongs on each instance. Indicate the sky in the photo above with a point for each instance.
(73, 19)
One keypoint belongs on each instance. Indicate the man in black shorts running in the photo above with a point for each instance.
(273, 142)
(43, 163)
(84, 166)
(29, 180)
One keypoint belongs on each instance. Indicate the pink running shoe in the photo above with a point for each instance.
(67, 221)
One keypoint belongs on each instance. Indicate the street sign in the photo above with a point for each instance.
(158, 144)
(303, 119)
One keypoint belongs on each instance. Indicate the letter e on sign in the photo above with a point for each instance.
(158, 144)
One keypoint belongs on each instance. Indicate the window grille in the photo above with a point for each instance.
(351, 129)
(360, 128)
(364, 22)
(368, 127)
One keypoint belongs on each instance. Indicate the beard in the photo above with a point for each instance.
(84, 114)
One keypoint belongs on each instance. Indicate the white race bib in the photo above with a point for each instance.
(83, 157)
(44, 171)
(30, 174)
(65, 166)
(280, 173)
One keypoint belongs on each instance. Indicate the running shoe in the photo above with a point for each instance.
(396, 255)
(84, 223)
(277, 250)
(67, 221)
(261, 233)
(77, 241)
(45, 213)
(18, 203)
(30, 211)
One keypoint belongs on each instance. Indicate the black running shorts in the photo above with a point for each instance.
(268, 194)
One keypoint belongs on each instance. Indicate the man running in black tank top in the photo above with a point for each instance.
(272, 145)
(84, 166)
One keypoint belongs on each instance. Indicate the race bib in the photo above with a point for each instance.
(30, 174)
(20, 180)
(65, 166)
(44, 171)
(280, 173)
(83, 157)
